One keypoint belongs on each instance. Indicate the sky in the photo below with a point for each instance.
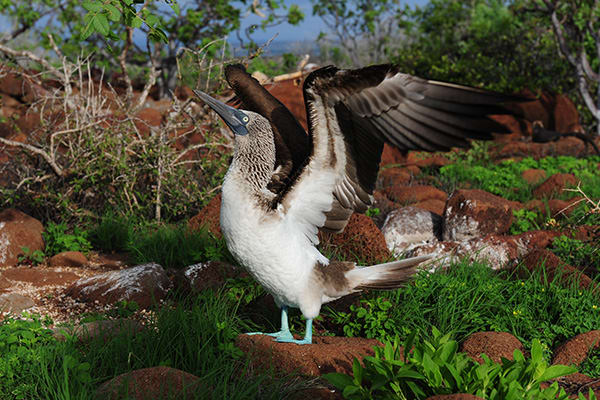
(307, 30)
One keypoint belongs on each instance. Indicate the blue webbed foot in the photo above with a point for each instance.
(277, 335)
(307, 336)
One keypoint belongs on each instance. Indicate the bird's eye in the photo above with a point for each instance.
(245, 119)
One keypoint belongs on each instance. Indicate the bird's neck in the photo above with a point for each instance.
(253, 164)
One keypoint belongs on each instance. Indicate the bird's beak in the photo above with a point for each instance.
(229, 114)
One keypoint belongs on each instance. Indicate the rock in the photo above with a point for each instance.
(554, 267)
(18, 230)
(539, 109)
(533, 176)
(38, 276)
(555, 185)
(423, 159)
(496, 345)
(472, 213)
(14, 303)
(20, 86)
(198, 277)
(102, 328)
(68, 259)
(533, 240)
(209, 216)
(499, 251)
(456, 396)
(410, 225)
(145, 284)
(146, 119)
(512, 124)
(151, 383)
(575, 350)
(394, 177)
(289, 92)
(413, 194)
(436, 206)
(392, 155)
(566, 117)
(326, 354)
(361, 241)
(384, 205)
(560, 207)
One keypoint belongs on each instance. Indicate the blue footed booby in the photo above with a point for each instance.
(284, 185)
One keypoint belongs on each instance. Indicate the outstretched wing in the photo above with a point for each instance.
(351, 114)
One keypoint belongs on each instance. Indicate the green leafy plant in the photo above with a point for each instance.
(58, 239)
(31, 257)
(525, 220)
(113, 233)
(370, 319)
(576, 252)
(422, 369)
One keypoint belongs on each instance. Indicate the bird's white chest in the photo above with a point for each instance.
(272, 251)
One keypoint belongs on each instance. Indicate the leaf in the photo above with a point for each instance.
(136, 22)
(556, 371)
(100, 23)
(114, 14)
(338, 380)
(91, 6)
(357, 370)
(536, 352)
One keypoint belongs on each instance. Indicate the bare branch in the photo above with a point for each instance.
(32, 57)
(57, 170)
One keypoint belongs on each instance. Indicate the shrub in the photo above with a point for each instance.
(58, 240)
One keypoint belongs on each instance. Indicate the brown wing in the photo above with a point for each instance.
(361, 109)
(291, 141)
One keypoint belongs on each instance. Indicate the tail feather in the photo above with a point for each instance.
(386, 276)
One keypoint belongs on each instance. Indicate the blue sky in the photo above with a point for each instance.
(307, 30)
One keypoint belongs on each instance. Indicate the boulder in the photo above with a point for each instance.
(413, 194)
(407, 226)
(18, 230)
(533, 176)
(151, 383)
(554, 267)
(555, 185)
(326, 354)
(566, 117)
(146, 284)
(575, 350)
(496, 345)
(392, 155)
(473, 213)
(207, 275)
(14, 303)
(68, 259)
(360, 241)
(209, 217)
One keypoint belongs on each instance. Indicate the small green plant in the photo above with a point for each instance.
(124, 309)
(422, 369)
(370, 319)
(58, 239)
(576, 252)
(525, 221)
(371, 212)
(20, 341)
(31, 257)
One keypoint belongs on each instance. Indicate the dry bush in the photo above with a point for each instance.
(91, 153)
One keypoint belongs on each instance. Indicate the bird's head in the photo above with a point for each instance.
(237, 120)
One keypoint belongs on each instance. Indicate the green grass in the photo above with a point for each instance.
(196, 336)
(470, 297)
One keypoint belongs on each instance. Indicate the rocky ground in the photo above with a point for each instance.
(415, 218)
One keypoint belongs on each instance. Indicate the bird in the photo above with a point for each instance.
(284, 184)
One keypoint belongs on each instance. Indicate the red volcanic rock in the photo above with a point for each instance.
(496, 345)
(151, 383)
(436, 206)
(576, 350)
(514, 126)
(147, 118)
(209, 216)
(361, 240)
(326, 354)
(475, 213)
(456, 396)
(394, 177)
(554, 185)
(68, 259)
(539, 109)
(422, 159)
(533, 240)
(564, 207)
(533, 176)
(14, 303)
(18, 230)
(198, 277)
(392, 155)
(414, 194)
(38, 276)
(566, 117)
(407, 226)
(554, 267)
(20, 86)
(145, 284)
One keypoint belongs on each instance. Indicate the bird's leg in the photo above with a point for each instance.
(307, 336)
(284, 332)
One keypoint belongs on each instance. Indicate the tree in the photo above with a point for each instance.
(108, 30)
(485, 43)
(576, 25)
(365, 29)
